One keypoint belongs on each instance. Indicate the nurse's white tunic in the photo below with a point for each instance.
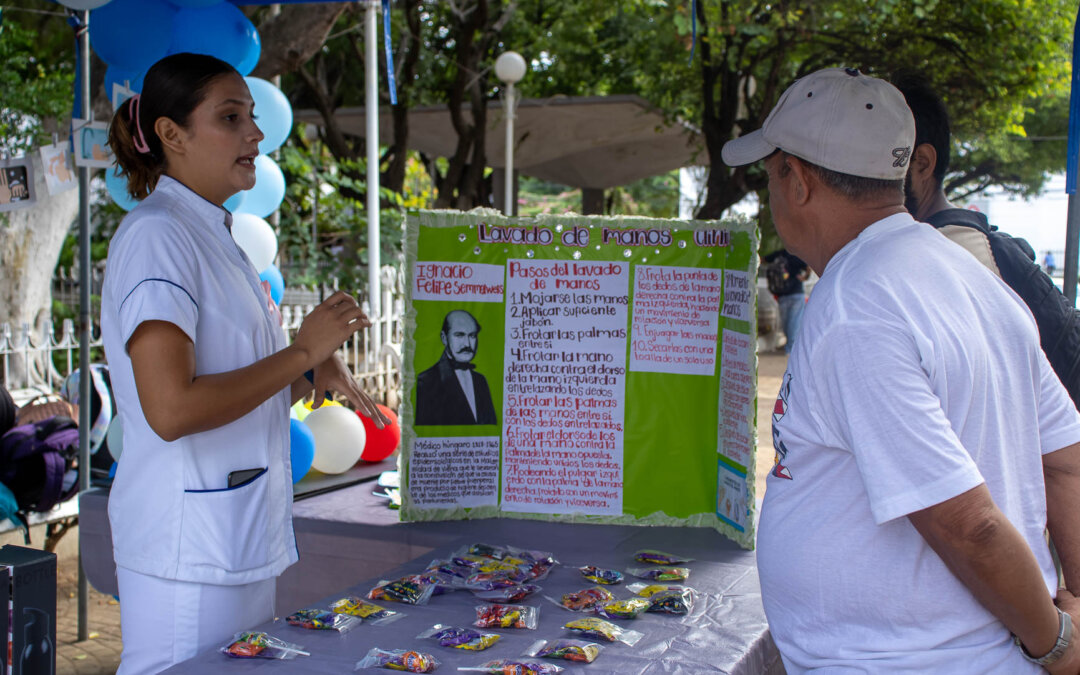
(172, 513)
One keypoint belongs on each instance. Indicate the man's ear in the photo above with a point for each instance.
(442, 336)
(799, 180)
(923, 162)
(170, 134)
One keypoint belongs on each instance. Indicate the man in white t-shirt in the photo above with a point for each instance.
(902, 527)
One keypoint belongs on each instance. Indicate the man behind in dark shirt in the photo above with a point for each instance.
(785, 274)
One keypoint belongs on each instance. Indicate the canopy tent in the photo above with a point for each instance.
(593, 142)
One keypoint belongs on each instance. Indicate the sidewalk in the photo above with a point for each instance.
(100, 655)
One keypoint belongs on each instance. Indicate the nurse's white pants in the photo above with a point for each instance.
(164, 621)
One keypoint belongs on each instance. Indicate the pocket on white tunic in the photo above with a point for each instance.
(226, 528)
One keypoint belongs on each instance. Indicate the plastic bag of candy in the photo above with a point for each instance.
(672, 601)
(661, 573)
(514, 667)
(448, 568)
(514, 593)
(653, 557)
(398, 659)
(371, 613)
(488, 551)
(321, 619)
(624, 609)
(601, 576)
(489, 581)
(585, 599)
(252, 645)
(599, 629)
(460, 638)
(647, 590)
(581, 651)
(440, 581)
(507, 616)
(411, 590)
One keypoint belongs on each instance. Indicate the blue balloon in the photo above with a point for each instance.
(274, 112)
(114, 75)
(301, 448)
(251, 57)
(220, 30)
(117, 185)
(128, 33)
(269, 190)
(232, 204)
(112, 470)
(272, 275)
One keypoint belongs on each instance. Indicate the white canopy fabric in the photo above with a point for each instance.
(594, 142)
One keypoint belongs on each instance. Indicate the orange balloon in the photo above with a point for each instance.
(380, 442)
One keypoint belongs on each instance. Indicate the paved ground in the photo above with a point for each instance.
(100, 655)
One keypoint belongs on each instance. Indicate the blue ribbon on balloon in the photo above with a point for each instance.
(693, 30)
(391, 81)
(1072, 154)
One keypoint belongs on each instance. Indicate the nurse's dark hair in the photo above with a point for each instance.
(173, 88)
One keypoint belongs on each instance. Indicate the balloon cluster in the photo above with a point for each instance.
(333, 438)
(132, 35)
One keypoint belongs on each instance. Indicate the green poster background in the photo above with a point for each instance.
(670, 437)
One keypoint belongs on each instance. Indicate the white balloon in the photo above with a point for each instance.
(114, 438)
(83, 4)
(339, 438)
(256, 238)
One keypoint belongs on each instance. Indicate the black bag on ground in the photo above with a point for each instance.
(38, 462)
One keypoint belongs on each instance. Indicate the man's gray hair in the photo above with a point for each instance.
(854, 188)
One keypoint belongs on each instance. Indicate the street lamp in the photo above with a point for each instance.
(510, 68)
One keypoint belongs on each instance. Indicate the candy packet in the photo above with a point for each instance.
(647, 590)
(398, 659)
(252, 645)
(489, 581)
(411, 590)
(661, 573)
(460, 638)
(672, 601)
(585, 599)
(581, 651)
(507, 616)
(514, 593)
(600, 629)
(601, 576)
(514, 667)
(321, 619)
(624, 609)
(371, 613)
(653, 557)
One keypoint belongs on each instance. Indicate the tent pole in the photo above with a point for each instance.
(84, 312)
(371, 107)
(1072, 248)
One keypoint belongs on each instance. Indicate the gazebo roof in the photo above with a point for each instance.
(589, 142)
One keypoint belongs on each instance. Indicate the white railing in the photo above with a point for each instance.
(373, 354)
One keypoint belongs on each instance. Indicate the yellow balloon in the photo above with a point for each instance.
(326, 402)
(300, 411)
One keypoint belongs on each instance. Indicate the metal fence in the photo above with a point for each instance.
(40, 360)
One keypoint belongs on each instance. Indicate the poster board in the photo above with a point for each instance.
(612, 366)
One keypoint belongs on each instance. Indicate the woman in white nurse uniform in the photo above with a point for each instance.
(201, 507)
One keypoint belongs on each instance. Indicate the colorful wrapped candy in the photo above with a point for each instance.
(460, 638)
(601, 576)
(580, 651)
(507, 616)
(588, 598)
(487, 551)
(368, 611)
(673, 601)
(661, 573)
(624, 609)
(514, 593)
(599, 629)
(398, 659)
(514, 667)
(648, 590)
(253, 645)
(653, 557)
(320, 619)
(411, 590)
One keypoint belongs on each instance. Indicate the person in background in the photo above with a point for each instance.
(1049, 264)
(1010, 258)
(785, 274)
(919, 425)
(201, 507)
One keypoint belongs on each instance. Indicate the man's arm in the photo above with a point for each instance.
(1061, 470)
(983, 549)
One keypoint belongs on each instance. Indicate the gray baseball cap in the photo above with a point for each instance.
(839, 119)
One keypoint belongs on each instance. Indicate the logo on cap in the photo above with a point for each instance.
(901, 155)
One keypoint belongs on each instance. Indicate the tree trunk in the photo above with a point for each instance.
(292, 37)
(30, 243)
